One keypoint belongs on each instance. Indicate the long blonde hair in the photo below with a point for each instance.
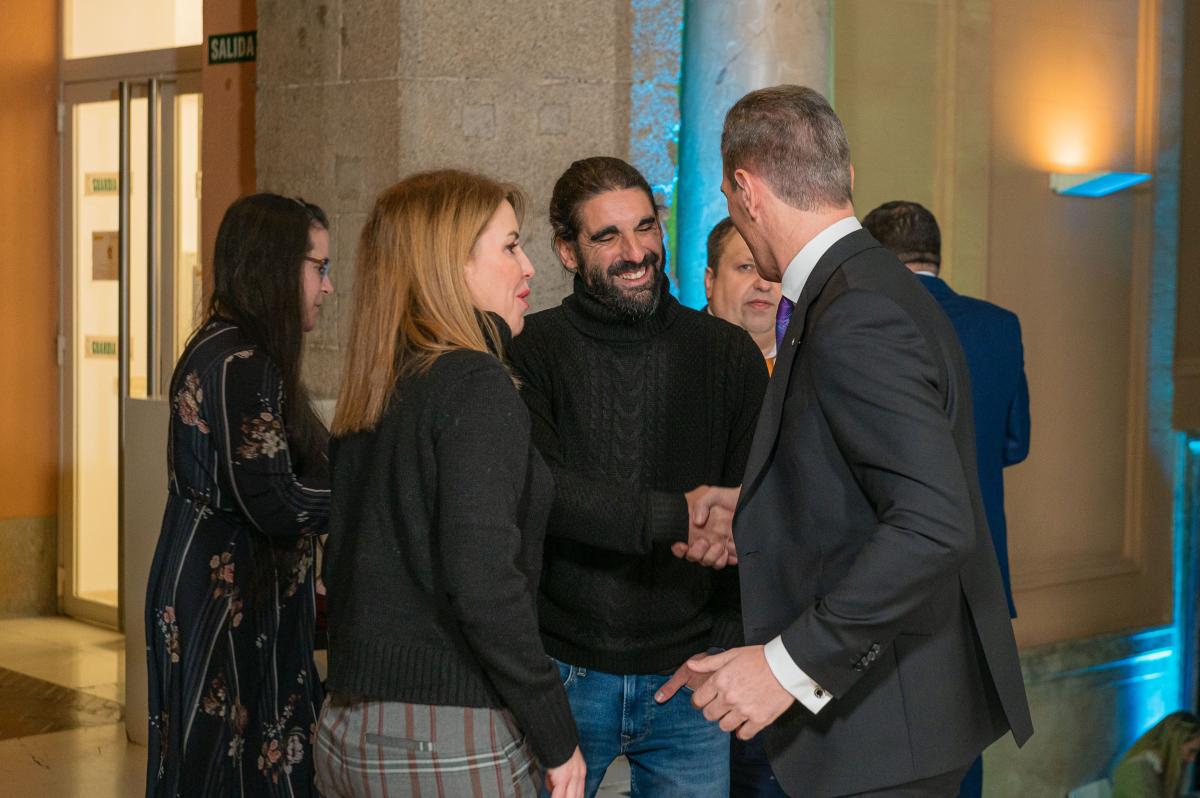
(411, 303)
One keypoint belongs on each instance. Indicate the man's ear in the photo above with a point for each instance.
(748, 191)
(710, 280)
(566, 254)
(852, 177)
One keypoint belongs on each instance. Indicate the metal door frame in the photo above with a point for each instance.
(172, 72)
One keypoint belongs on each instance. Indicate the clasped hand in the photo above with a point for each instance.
(710, 527)
(736, 689)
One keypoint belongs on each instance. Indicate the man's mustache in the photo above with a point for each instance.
(650, 261)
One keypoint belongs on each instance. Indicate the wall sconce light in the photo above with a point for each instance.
(1094, 184)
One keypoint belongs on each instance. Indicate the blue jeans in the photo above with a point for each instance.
(672, 749)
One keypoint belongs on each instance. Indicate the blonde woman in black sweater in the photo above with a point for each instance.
(438, 682)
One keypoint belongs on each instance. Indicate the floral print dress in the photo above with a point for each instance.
(234, 694)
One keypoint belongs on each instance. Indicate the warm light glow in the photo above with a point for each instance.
(92, 27)
(1068, 145)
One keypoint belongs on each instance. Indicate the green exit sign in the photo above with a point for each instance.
(230, 48)
(100, 346)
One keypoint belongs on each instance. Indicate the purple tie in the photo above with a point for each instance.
(782, 317)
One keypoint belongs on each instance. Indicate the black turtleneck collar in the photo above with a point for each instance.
(595, 319)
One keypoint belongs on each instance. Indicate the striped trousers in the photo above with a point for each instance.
(386, 748)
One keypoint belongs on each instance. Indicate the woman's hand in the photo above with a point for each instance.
(568, 779)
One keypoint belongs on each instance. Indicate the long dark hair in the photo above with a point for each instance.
(257, 260)
(583, 180)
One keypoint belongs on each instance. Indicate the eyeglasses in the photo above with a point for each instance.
(322, 262)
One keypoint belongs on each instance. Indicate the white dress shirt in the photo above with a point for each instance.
(789, 674)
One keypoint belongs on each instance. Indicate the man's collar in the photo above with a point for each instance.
(797, 271)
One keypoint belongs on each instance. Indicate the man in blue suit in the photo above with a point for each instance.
(991, 339)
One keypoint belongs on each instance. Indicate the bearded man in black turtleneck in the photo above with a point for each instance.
(638, 405)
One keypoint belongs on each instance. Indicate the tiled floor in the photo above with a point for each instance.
(95, 761)
(65, 652)
(30, 706)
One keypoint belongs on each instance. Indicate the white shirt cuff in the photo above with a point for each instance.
(794, 680)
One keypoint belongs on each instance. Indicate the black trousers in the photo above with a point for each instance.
(943, 786)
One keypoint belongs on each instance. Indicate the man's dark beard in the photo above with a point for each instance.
(634, 305)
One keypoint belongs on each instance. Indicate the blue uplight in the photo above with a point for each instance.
(1098, 184)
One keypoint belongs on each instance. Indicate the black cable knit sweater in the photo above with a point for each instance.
(630, 416)
(434, 551)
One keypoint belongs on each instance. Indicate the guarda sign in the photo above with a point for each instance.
(230, 48)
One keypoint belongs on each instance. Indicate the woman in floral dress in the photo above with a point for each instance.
(234, 693)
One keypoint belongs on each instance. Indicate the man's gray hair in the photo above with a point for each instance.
(790, 137)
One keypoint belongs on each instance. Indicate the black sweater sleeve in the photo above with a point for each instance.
(482, 451)
(588, 509)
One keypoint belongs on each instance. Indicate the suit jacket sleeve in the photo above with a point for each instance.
(746, 394)
(1016, 438)
(877, 385)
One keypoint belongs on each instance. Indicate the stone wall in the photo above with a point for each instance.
(1090, 699)
(28, 566)
(355, 94)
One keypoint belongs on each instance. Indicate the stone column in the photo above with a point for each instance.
(730, 48)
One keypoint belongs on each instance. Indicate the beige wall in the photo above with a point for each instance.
(1077, 86)
(967, 106)
(886, 96)
(916, 103)
(29, 316)
(1011, 91)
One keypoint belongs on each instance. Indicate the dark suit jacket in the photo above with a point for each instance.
(991, 340)
(862, 538)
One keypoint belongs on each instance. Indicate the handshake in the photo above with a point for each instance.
(710, 527)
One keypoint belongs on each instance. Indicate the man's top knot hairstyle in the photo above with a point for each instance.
(907, 229)
(790, 137)
(583, 180)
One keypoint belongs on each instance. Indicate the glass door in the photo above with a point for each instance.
(131, 230)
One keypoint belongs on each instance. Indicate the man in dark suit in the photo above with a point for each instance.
(991, 339)
(881, 657)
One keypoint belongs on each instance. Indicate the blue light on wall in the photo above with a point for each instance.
(1095, 184)
(1151, 689)
(654, 105)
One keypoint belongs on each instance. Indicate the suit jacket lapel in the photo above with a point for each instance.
(771, 414)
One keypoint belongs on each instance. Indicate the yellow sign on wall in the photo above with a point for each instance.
(103, 347)
(101, 183)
